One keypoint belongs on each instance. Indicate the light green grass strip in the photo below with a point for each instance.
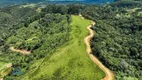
(2, 65)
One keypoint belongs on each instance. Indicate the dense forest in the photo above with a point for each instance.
(118, 41)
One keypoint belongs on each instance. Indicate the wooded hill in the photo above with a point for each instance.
(118, 41)
(27, 29)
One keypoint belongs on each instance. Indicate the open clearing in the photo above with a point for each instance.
(71, 61)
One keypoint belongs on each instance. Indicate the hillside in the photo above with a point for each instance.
(46, 44)
(39, 33)
(69, 60)
(118, 41)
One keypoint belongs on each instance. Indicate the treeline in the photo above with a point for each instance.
(118, 41)
(127, 3)
(64, 9)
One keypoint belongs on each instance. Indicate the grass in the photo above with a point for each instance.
(69, 62)
(2, 65)
(3, 70)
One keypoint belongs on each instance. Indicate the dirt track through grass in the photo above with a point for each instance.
(109, 74)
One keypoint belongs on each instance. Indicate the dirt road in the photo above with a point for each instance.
(1, 78)
(109, 74)
(24, 52)
(9, 65)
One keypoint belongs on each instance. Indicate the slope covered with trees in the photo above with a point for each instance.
(118, 41)
(25, 28)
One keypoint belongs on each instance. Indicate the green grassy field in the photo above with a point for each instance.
(3, 69)
(69, 62)
(2, 65)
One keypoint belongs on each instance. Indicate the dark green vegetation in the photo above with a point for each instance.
(118, 41)
(11, 18)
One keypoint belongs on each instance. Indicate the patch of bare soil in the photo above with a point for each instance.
(24, 52)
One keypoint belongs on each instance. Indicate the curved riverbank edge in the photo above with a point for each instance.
(109, 73)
